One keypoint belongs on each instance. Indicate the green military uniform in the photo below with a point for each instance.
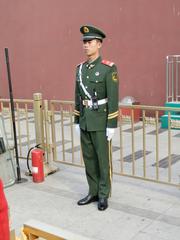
(98, 78)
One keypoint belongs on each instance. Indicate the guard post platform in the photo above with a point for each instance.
(172, 91)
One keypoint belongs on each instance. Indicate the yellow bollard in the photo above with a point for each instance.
(38, 118)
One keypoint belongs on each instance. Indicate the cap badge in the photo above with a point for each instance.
(97, 73)
(86, 29)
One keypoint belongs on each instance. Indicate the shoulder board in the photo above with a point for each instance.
(107, 62)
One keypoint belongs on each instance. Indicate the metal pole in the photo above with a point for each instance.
(167, 79)
(172, 76)
(49, 166)
(19, 179)
(47, 132)
(38, 117)
(177, 85)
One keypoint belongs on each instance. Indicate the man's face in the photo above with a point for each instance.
(91, 47)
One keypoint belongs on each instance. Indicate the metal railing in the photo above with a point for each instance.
(65, 142)
(24, 123)
(173, 78)
(141, 147)
(159, 159)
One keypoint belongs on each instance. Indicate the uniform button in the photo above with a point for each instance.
(86, 87)
(96, 81)
(87, 76)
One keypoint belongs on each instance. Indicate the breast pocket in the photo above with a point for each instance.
(99, 85)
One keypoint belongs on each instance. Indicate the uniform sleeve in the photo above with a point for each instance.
(112, 83)
(77, 101)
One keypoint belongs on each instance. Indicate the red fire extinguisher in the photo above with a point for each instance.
(37, 156)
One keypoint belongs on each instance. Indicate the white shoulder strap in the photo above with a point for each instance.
(81, 83)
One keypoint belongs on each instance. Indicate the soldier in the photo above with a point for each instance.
(96, 113)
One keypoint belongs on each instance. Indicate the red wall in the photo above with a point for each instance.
(44, 44)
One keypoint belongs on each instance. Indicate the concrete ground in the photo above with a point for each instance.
(138, 210)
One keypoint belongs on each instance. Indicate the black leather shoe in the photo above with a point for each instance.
(88, 199)
(102, 204)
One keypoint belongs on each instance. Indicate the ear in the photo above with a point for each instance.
(99, 44)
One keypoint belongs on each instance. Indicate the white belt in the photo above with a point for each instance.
(88, 103)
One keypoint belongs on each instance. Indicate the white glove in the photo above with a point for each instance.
(77, 128)
(110, 133)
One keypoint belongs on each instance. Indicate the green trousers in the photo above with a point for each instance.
(97, 158)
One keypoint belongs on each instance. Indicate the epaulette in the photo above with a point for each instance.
(107, 62)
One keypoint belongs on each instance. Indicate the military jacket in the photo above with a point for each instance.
(99, 76)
